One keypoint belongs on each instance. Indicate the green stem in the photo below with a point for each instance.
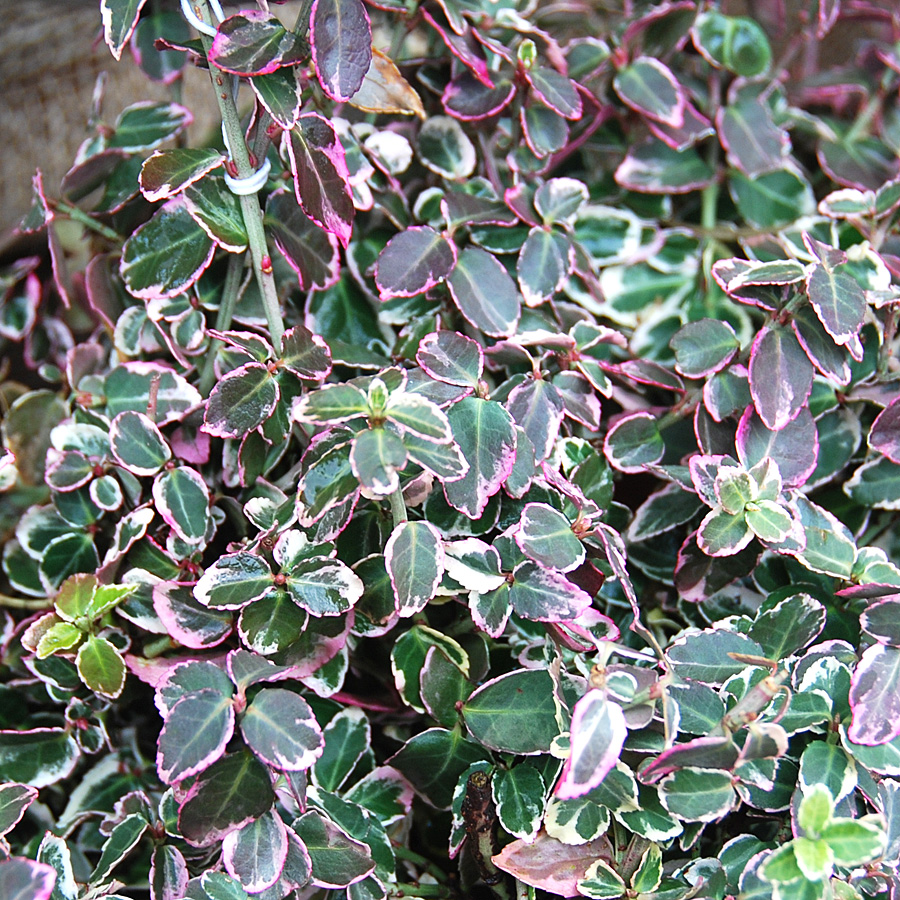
(398, 507)
(223, 319)
(524, 891)
(22, 603)
(250, 208)
(403, 852)
(74, 213)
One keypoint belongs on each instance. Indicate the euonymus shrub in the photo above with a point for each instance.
(473, 474)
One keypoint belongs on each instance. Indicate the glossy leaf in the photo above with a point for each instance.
(874, 696)
(137, 443)
(253, 43)
(182, 499)
(168, 172)
(255, 853)
(341, 40)
(413, 261)
(337, 859)
(197, 729)
(780, 376)
(279, 727)
(484, 292)
(414, 558)
(101, 667)
(649, 87)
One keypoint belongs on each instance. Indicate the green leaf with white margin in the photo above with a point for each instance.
(255, 853)
(331, 405)
(195, 733)
(723, 534)
(376, 457)
(414, 558)
(419, 415)
(168, 172)
(119, 19)
(241, 401)
(137, 444)
(346, 739)
(217, 211)
(706, 656)
(101, 667)
(219, 886)
(280, 728)
(876, 483)
(828, 766)
(128, 387)
(182, 499)
(54, 852)
(816, 806)
(38, 756)
(634, 442)
(408, 657)
(233, 581)
(814, 858)
(145, 125)
(698, 795)
(830, 547)
(121, 841)
(445, 148)
(545, 535)
(576, 821)
(514, 713)
(484, 292)
(14, 800)
(649, 872)
(519, 797)
(855, 841)
(601, 882)
(337, 859)
(768, 520)
(167, 254)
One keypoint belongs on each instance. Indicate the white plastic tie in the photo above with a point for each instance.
(196, 21)
(252, 183)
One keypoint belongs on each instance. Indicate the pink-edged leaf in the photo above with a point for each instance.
(254, 43)
(545, 536)
(830, 359)
(197, 729)
(321, 178)
(704, 347)
(241, 401)
(167, 172)
(649, 88)
(119, 18)
(839, 301)
(546, 595)
(309, 250)
(22, 879)
(545, 130)
(598, 733)
(653, 167)
(187, 621)
(875, 696)
(451, 357)
(884, 435)
(882, 621)
(168, 873)
(551, 865)
(280, 728)
(255, 853)
(463, 48)
(701, 752)
(753, 142)
(305, 354)
(634, 442)
(467, 99)
(182, 499)
(795, 448)
(865, 163)
(694, 128)
(167, 254)
(780, 376)
(414, 559)
(413, 261)
(544, 264)
(536, 405)
(486, 436)
(555, 90)
(484, 292)
(14, 800)
(341, 39)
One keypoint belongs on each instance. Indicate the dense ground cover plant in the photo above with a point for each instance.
(477, 477)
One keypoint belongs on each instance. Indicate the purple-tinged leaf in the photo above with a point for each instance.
(466, 98)
(544, 265)
(414, 558)
(119, 20)
(693, 129)
(168, 172)
(451, 357)
(321, 178)
(14, 800)
(579, 398)
(168, 873)
(704, 347)
(185, 620)
(645, 371)
(280, 728)
(167, 254)
(413, 261)
(753, 142)
(545, 595)
(385, 90)
(795, 448)
(309, 250)
(551, 865)
(649, 88)
(884, 436)
(233, 581)
(444, 461)
(555, 90)
(182, 499)
(255, 853)
(875, 696)
(305, 354)
(865, 163)
(882, 621)
(337, 859)
(254, 43)
(836, 296)
(701, 752)
(655, 168)
(829, 358)
(464, 49)
(280, 92)
(598, 733)
(484, 292)
(341, 39)
(545, 536)
(546, 131)
(446, 149)
(535, 405)
(241, 401)
(22, 879)
(194, 736)
(780, 376)
(634, 442)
